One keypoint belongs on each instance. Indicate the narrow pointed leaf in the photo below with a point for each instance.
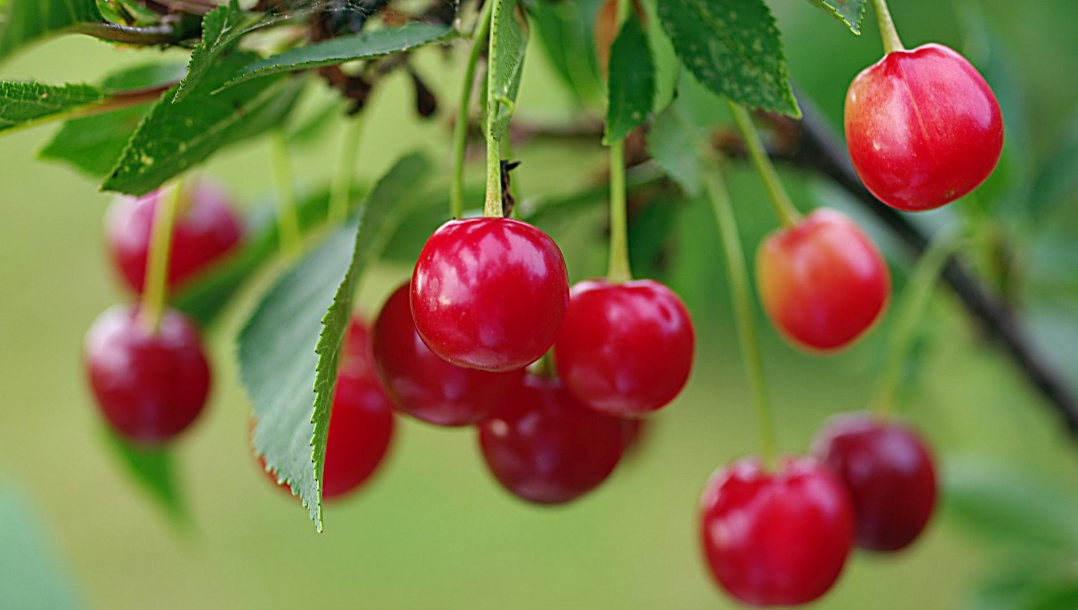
(509, 40)
(631, 89)
(221, 29)
(25, 104)
(154, 469)
(850, 12)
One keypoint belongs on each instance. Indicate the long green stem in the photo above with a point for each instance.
(915, 299)
(742, 302)
(287, 218)
(888, 32)
(619, 270)
(492, 207)
(460, 129)
(155, 283)
(341, 187)
(780, 199)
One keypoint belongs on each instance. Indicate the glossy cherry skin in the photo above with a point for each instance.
(776, 539)
(423, 385)
(890, 473)
(546, 447)
(206, 230)
(489, 293)
(923, 128)
(823, 283)
(149, 386)
(625, 349)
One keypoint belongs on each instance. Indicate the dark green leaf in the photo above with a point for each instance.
(221, 30)
(176, 136)
(631, 90)
(154, 470)
(367, 45)
(850, 12)
(30, 575)
(564, 30)
(28, 20)
(26, 104)
(509, 40)
(288, 349)
(733, 48)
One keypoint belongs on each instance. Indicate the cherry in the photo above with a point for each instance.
(822, 282)
(206, 229)
(776, 539)
(357, 353)
(150, 386)
(923, 128)
(489, 293)
(624, 349)
(890, 474)
(546, 447)
(423, 385)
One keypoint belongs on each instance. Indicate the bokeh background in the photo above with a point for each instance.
(434, 530)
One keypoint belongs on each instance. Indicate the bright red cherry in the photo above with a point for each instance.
(890, 474)
(489, 293)
(776, 539)
(150, 386)
(423, 385)
(357, 354)
(206, 230)
(546, 447)
(923, 128)
(624, 349)
(822, 282)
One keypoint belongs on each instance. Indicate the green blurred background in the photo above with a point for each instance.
(434, 530)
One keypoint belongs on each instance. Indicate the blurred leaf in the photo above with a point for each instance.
(28, 20)
(1057, 181)
(289, 347)
(1012, 507)
(154, 470)
(667, 67)
(675, 142)
(30, 575)
(308, 131)
(144, 76)
(733, 48)
(1027, 583)
(631, 92)
(563, 29)
(174, 137)
(509, 40)
(221, 30)
(850, 12)
(650, 229)
(26, 104)
(367, 45)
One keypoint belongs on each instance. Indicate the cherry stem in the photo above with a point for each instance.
(287, 219)
(888, 32)
(740, 295)
(915, 298)
(619, 270)
(460, 128)
(149, 36)
(155, 283)
(492, 207)
(780, 199)
(340, 191)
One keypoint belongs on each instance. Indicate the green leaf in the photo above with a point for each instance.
(563, 29)
(1009, 506)
(733, 48)
(29, 20)
(26, 104)
(675, 142)
(1057, 180)
(30, 575)
(288, 349)
(667, 67)
(631, 92)
(850, 12)
(154, 470)
(221, 30)
(367, 45)
(508, 41)
(176, 136)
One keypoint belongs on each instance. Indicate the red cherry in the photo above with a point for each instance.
(489, 293)
(357, 354)
(890, 474)
(822, 282)
(546, 447)
(776, 539)
(206, 229)
(625, 349)
(923, 128)
(423, 385)
(150, 386)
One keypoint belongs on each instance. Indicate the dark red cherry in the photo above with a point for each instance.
(890, 474)
(357, 353)
(489, 293)
(776, 539)
(546, 447)
(423, 385)
(360, 431)
(923, 128)
(206, 230)
(150, 386)
(823, 283)
(624, 349)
